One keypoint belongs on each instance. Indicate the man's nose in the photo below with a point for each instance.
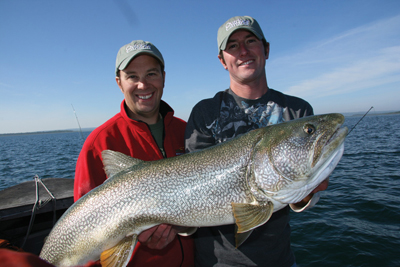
(142, 84)
(243, 49)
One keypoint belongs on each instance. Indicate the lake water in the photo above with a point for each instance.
(47, 155)
(356, 222)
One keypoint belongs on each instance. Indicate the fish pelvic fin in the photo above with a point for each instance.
(250, 216)
(119, 255)
(114, 162)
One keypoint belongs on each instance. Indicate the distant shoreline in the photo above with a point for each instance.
(45, 132)
(375, 114)
(91, 129)
(41, 132)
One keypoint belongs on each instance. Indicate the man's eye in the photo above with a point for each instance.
(232, 46)
(152, 74)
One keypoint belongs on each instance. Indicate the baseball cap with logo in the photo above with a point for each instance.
(134, 49)
(238, 23)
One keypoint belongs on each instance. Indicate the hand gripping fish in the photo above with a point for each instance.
(241, 181)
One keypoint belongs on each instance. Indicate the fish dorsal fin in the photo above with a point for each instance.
(119, 255)
(114, 162)
(250, 216)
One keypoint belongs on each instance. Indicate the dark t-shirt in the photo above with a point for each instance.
(217, 120)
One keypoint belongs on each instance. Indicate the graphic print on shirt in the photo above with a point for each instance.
(234, 120)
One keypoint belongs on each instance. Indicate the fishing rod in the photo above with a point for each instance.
(80, 129)
(359, 120)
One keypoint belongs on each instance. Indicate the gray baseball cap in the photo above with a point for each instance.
(132, 50)
(237, 23)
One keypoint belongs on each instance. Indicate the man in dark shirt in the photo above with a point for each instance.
(246, 105)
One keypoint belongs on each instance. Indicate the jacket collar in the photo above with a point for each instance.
(165, 110)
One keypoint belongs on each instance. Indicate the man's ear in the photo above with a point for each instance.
(266, 50)
(221, 59)
(164, 78)
(118, 80)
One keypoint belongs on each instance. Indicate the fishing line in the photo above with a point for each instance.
(359, 120)
(80, 129)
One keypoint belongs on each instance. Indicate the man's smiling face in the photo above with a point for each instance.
(244, 57)
(142, 83)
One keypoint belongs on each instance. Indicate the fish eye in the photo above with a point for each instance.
(309, 129)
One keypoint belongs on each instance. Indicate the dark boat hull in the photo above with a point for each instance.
(17, 203)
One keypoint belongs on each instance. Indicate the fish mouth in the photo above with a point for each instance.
(331, 153)
(327, 147)
(337, 138)
(330, 156)
(327, 144)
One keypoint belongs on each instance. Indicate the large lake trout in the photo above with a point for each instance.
(241, 181)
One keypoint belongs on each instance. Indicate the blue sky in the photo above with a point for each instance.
(341, 56)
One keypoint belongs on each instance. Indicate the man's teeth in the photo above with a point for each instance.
(247, 62)
(145, 96)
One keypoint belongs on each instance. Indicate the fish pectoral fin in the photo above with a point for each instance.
(114, 162)
(241, 237)
(119, 255)
(250, 216)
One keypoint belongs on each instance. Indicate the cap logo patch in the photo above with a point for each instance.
(237, 23)
(142, 46)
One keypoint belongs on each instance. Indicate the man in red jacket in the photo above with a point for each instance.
(145, 128)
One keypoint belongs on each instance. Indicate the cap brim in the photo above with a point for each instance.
(225, 41)
(128, 60)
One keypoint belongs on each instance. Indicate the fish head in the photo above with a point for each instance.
(292, 158)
